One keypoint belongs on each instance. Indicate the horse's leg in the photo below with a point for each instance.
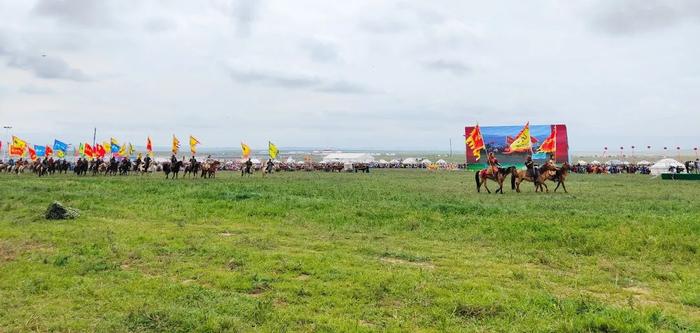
(486, 187)
(563, 185)
(556, 188)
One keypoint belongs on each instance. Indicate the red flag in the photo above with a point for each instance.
(88, 151)
(550, 144)
(49, 151)
(476, 142)
(149, 145)
(100, 151)
(32, 153)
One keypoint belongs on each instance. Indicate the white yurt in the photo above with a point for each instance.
(290, 160)
(643, 163)
(426, 162)
(595, 163)
(582, 162)
(383, 162)
(410, 161)
(441, 162)
(663, 165)
(394, 161)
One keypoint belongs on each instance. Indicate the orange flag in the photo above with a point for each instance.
(550, 144)
(476, 142)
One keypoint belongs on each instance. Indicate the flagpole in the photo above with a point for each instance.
(7, 144)
(450, 147)
(94, 136)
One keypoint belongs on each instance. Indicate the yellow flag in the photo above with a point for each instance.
(193, 144)
(246, 150)
(522, 142)
(273, 150)
(107, 146)
(130, 151)
(176, 145)
(17, 142)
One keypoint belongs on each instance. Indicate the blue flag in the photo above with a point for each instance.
(40, 150)
(59, 146)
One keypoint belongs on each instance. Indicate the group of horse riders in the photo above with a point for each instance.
(537, 175)
(47, 165)
(112, 166)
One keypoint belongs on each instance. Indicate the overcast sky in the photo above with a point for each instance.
(350, 74)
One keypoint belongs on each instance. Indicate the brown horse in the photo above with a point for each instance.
(557, 175)
(525, 175)
(482, 176)
(209, 169)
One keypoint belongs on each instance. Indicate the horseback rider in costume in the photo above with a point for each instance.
(270, 165)
(531, 170)
(173, 159)
(493, 165)
(138, 162)
(146, 162)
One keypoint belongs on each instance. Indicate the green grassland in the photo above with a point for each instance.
(396, 250)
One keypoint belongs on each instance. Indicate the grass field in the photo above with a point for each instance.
(399, 250)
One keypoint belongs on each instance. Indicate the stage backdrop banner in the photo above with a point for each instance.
(498, 138)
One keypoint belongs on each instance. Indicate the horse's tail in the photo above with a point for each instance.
(512, 179)
(478, 181)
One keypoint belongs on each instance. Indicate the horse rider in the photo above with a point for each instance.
(137, 163)
(493, 164)
(531, 170)
(248, 166)
(270, 165)
(146, 162)
(193, 161)
(173, 159)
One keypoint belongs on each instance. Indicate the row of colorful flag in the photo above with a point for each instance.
(521, 143)
(20, 148)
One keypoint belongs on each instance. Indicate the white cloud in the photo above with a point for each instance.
(402, 73)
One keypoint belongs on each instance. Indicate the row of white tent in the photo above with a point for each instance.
(614, 162)
(368, 158)
(661, 166)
